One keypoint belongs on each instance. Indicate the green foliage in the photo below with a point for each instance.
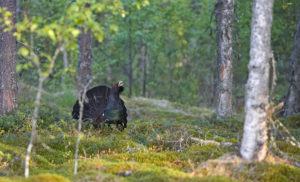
(179, 36)
(159, 143)
(15, 121)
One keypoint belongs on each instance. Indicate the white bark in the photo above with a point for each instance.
(42, 78)
(33, 131)
(81, 98)
(224, 20)
(254, 143)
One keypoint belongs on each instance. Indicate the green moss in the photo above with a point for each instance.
(233, 140)
(293, 124)
(149, 176)
(161, 159)
(214, 179)
(156, 145)
(276, 173)
(293, 121)
(37, 178)
(291, 150)
(198, 153)
(48, 178)
(119, 167)
(152, 176)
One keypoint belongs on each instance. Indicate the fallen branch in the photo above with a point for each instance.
(207, 142)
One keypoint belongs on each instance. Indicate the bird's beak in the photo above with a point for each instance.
(120, 84)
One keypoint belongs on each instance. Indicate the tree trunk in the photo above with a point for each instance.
(84, 59)
(292, 102)
(254, 143)
(144, 62)
(8, 62)
(66, 64)
(224, 20)
(130, 56)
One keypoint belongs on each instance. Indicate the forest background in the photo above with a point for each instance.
(166, 54)
(175, 41)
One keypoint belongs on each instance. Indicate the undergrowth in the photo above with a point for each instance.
(163, 142)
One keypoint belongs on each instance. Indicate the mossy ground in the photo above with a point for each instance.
(161, 143)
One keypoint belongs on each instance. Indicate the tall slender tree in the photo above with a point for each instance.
(130, 54)
(84, 59)
(8, 62)
(224, 18)
(145, 63)
(292, 102)
(143, 59)
(254, 143)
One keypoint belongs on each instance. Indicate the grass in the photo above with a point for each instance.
(161, 143)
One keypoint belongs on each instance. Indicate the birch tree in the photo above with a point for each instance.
(8, 62)
(254, 142)
(224, 19)
(292, 102)
(43, 75)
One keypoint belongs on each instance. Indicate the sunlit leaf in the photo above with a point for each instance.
(23, 51)
(114, 28)
(44, 74)
(75, 32)
(138, 5)
(51, 34)
(18, 67)
(145, 3)
(33, 27)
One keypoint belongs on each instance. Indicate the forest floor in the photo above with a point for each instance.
(164, 141)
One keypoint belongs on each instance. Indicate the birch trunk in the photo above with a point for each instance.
(224, 19)
(8, 62)
(84, 59)
(292, 102)
(254, 143)
(42, 77)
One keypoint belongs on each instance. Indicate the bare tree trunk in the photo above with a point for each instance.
(66, 64)
(33, 131)
(81, 100)
(8, 62)
(108, 71)
(292, 102)
(224, 20)
(65, 59)
(81, 97)
(84, 59)
(144, 58)
(254, 143)
(130, 56)
(42, 78)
